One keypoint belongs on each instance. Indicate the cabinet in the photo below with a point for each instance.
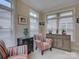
(60, 41)
(66, 43)
(26, 41)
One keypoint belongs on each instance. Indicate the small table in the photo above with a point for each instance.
(26, 41)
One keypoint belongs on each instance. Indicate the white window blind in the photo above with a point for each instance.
(5, 3)
(34, 23)
(52, 23)
(6, 27)
(52, 26)
(66, 23)
(64, 14)
(51, 16)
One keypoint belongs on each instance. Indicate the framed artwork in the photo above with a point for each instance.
(77, 20)
(41, 23)
(22, 20)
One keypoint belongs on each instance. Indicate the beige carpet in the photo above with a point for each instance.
(54, 54)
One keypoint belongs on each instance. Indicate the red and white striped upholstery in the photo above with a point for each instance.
(18, 52)
(42, 43)
(18, 57)
(3, 50)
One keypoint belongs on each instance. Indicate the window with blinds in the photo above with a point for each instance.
(5, 3)
(52, 23)
(61, 21)
(6, 23)
(34, 16)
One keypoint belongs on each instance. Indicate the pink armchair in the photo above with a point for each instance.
(43, 43)
(18, 52)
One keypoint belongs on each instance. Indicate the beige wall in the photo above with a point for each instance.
(77, 25)
(76, 44)
(21, 10)
(41, 27)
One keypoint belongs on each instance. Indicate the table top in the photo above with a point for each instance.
(21, 38)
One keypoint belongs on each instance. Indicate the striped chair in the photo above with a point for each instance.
(43, 43)
(19, 52)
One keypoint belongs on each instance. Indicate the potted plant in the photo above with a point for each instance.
(26, 32)
(63, 32)
(50, 31)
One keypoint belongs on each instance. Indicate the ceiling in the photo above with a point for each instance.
(48, 5)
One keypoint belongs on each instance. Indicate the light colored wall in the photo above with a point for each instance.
(22, 9)
(41, 27)
(76, 43)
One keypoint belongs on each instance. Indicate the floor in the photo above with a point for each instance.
(54, 54)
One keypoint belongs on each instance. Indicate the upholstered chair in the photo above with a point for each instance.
(18, 52)
(43, 43)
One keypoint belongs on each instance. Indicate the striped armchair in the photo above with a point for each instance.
(18, 52)
(43, 43)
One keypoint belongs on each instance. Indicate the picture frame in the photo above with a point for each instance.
(22, 20)
(41, 23)
(77, 20)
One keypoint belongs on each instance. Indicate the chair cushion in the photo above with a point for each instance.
(3, 50)
(18, 50)
(39, 37)
(45, 45)
(37, 41)
(18, 57)
(13, 51)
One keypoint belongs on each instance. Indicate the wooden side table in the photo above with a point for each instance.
(26, 41)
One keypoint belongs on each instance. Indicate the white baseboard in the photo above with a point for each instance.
(75, 46)
(75, 50)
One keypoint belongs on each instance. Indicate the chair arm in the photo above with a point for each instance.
(18, 50)
(48, 40)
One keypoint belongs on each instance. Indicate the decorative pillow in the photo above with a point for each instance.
(19, 57)
(3, 50)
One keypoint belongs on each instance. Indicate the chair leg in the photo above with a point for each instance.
(51, 49)
(36, 48)
(42, 52)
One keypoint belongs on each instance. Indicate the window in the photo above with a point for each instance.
(52, 23)
(5, 26)
(66, 23)
(5, 3)
(60, 21)
(33, 22)
(51, 16)
(68, 13)
(6, 33)
(33, 15)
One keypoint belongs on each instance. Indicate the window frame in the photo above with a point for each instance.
(36, 18)
(58, 13)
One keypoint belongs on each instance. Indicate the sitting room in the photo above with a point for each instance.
(39, 29)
